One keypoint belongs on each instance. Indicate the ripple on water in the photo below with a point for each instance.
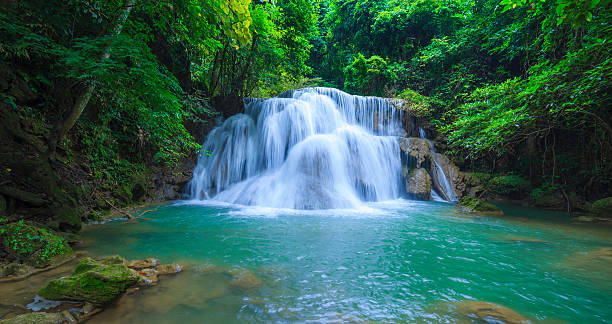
(390, 262)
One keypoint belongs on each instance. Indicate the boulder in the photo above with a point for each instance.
(602, 207)
(417, 148)
(35, 318)
(489, 312)
(96, 282)
(453, 176)
(141, 264)
(479, 207)
(418, 184)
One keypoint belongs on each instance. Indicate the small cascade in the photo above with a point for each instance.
(441, 181)
(315, 148)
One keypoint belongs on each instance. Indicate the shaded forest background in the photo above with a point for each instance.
(101, 94)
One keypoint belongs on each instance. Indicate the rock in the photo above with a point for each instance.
(477, 206)
(417, 148)
(141, 264)
(171, 268)
(93, 281)
(35, 318)
(418, 184)
(523, 239)
(88, 307)
(68, 317)
(148, 277)
(34, 246)
(490, 313)
(602, 207)
(244, 279)
(453, 176)
(15, 269)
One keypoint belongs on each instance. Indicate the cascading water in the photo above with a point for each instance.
(318, 149)
(440, 179)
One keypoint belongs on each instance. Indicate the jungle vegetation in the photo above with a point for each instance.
(513, 87)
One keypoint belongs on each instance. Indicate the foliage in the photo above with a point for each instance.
(35, 246)
(509, 184)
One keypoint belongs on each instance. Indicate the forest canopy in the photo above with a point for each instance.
(511, 86)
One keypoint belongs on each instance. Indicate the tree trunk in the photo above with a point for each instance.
(62, 126)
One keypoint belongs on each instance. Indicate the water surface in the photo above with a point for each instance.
(396, 261)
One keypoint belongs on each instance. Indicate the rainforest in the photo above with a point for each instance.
(305, 161)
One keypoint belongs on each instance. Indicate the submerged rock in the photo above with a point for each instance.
(602, 207)
(489, 312)
(97, 282)
(418, 184)
(35, 318)
(244, 279)
(522, 239)
(477, 206)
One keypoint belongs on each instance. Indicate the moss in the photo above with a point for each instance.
(476, 178)
(35, 318)
(34, 246)
(602, 207)
(123, 193)
(475, 205)
(97, 282)
(68, 219)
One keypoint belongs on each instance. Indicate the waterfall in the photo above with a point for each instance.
(314, 148)
(441, 181)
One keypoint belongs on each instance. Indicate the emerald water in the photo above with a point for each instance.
(397, 261)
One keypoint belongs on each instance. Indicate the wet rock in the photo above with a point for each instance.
(35, 318)
(93, 281)
(417, 148)
(171, 268)
(148, 277)
(418, 184)
(479, 207)
(141, 264)
(602, 207)
(453, 176)
(490, 313)
(244, 279)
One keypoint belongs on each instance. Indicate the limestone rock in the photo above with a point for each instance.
(171, 268)
(417, 148)
(419, 184)
(141, 264)
(92, 281)
(453, 176)
(35, 318)
(489, 312)
(477, 206)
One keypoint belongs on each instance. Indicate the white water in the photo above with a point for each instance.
(440, 180)
(319, 148)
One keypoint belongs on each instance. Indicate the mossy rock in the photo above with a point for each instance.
(602, 207)
(68, 219)
(32, 245)
(477, 206)
(35, 318)
(123, 193)
(97, 282)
